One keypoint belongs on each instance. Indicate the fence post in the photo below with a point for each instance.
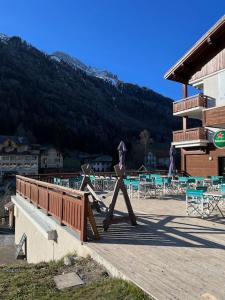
(61, 208)
(47, 202)
(17, 184)
(83, 233)
(37, 195)
(30, 192)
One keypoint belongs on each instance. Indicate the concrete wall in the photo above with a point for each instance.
(39, 247)
(214, 87)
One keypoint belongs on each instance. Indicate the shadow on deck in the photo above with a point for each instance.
(164, 231)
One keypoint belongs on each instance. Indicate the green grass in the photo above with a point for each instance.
(36, 282)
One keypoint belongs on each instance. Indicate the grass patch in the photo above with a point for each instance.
(31, 281)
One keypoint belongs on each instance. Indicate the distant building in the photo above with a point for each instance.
(50, 158)
(101, 163)
(17, 156)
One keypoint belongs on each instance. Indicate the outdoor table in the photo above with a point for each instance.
(214, 199)
(148, 187)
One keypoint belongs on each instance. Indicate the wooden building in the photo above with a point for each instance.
(202, 67)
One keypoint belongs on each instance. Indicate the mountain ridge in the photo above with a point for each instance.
(92, 71)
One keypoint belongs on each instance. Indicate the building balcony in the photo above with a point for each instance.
(192, 106)
(214, 117)
(194, 137)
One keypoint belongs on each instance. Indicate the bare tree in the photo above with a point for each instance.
(145, 140)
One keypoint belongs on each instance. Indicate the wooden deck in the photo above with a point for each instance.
(169, 255)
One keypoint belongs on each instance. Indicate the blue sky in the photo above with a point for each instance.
(136, 39)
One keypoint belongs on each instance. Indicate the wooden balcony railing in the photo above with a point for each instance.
(190, 102)
(190, 135)
(214, 117)
(69, 206)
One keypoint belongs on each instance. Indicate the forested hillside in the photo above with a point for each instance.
(52, 103)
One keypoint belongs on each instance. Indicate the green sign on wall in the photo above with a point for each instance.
(219, 139)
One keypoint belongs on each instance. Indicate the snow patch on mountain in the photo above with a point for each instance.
(77, 64)
(4, 38)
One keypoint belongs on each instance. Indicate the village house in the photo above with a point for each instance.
(50, 158)
(17, 156)
(202, 67)
(98, 163)
(101, 163)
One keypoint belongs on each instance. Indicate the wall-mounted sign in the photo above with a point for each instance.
(219, 139)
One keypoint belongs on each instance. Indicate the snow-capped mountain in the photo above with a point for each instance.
(74, 63)
(4, 38)
(77, 64)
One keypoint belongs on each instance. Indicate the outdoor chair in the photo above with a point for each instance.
(142, 177)
(196, 204)
(64, 182)
(132, 186)
(169, 186)
(109, 184)
(222, 190)
(215, 185)
(154, 176)
(56, 180)
(98, 183)
(222, 180)
(159, 185)
(199, 180)
(183, 183)
(75, 182)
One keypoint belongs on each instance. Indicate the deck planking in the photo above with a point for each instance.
(169, 255)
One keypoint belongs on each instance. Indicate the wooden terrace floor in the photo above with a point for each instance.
(169, 255)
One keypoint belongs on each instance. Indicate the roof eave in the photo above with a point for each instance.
(204, 40)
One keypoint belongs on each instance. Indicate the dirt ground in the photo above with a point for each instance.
(87, 269)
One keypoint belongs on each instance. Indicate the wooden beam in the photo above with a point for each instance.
(194, 152)
(185, 90)
(185, 123)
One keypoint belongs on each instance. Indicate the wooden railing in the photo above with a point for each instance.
(69, 206)
(190, 102)
(190, 134)
(214, 117)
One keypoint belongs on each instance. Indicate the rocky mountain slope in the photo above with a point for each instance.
(77, 64)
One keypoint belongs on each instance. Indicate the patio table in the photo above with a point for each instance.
(147, 188)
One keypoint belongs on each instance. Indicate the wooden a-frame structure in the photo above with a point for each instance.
(119, 186)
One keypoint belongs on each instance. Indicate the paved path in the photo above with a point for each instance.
(7, 247)
(169, 255)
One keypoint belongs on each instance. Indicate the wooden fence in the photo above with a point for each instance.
(69, 206)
